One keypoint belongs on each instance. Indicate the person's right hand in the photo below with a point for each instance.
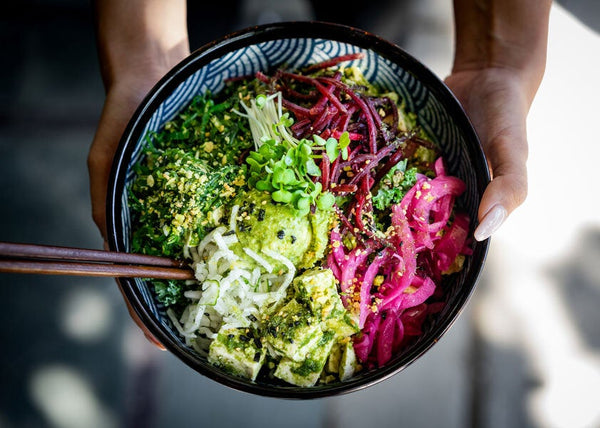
(122, 99)
(139, 41)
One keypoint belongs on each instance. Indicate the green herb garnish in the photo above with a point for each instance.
(394, 185)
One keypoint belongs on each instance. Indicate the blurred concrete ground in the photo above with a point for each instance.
(525, 353)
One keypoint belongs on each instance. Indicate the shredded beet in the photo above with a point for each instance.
(366, 112)
(334, 61)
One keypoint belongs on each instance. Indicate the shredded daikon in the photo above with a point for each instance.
(232, 293)
(233, 218)
(260, 260)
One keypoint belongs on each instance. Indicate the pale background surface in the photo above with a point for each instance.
(525, 353)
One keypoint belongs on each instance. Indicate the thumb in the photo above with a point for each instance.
(508, 188)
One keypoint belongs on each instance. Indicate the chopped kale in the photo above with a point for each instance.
(188, 177)
(394, 185)
(170, 293)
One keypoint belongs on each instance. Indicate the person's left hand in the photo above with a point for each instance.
(497, 103)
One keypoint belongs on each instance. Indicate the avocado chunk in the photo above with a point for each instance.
(293, 331)
(307, 372)
(237, 351)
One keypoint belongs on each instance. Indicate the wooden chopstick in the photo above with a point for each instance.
(11, 249)
(52, 260)
(93, 269)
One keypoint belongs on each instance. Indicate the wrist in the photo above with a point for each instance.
(148, 61)
(141, 69)
(508, 35)
(504, 77)
(140, 39)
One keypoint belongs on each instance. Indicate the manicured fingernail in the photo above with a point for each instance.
(491, 222)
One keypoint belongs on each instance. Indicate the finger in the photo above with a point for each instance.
(504, 139)
(508, 188)
(149, 336)
(113, 120)
(502, 196)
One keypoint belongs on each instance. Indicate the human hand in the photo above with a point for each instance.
(499, 62)
(495, 101)
(121, 101)
(138, 42)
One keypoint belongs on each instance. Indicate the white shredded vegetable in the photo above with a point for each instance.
(193, 294)
(233, 218)
(260, 260)
(261, 120)
(232, 293)
(289, 276)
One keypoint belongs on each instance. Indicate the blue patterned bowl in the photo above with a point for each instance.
(297, 44)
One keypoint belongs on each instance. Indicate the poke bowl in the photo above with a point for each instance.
(324, 186)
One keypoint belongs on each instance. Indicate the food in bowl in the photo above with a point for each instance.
(318, 217)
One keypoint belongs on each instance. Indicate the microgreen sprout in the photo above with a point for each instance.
(261, 99)
(288, 175)
(267, 120)
(333, 147)
(283, 165)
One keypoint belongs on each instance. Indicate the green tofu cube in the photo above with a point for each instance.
(237, 351)
(343, 326)
(348, 363)
(307, 372)
(317, 288)
(333, 362)
(292, 331)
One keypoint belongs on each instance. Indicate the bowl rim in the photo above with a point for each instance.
(216, 49)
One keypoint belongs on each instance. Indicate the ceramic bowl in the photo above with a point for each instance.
(297, 44)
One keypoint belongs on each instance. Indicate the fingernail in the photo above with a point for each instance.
(491, 222)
